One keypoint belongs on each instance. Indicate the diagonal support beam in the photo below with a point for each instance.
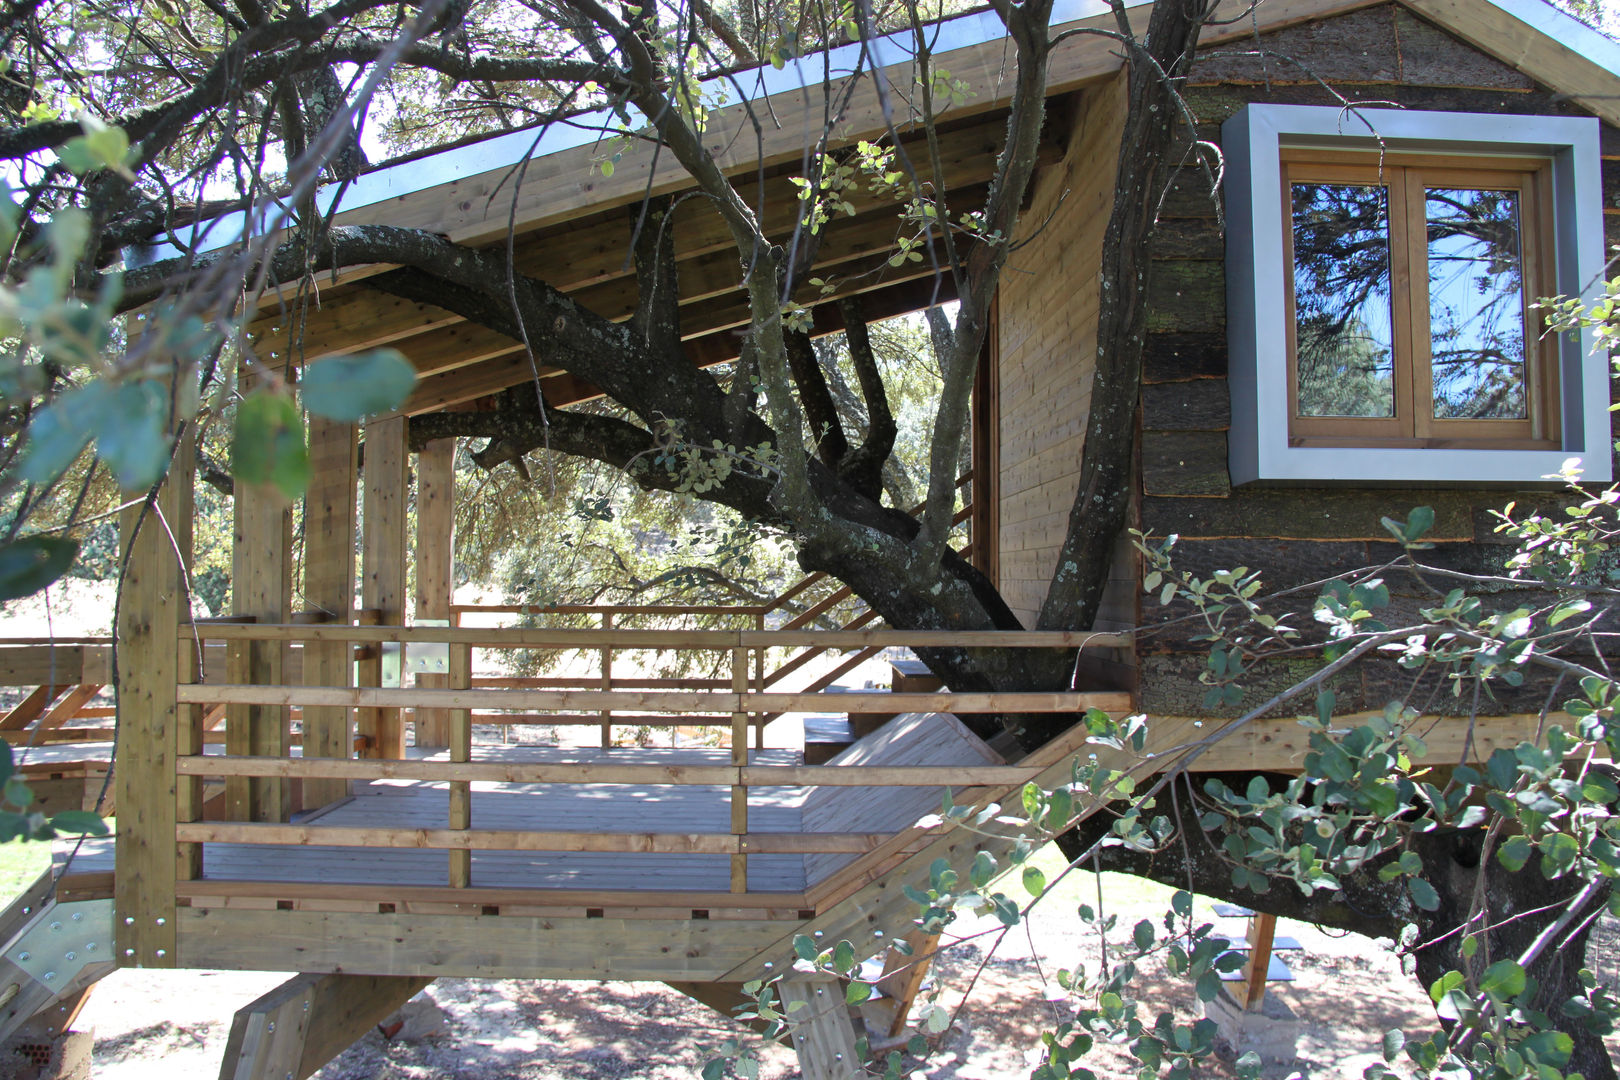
(823, 1033)
(307, 1021)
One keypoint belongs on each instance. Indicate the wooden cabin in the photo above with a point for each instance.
(372, 862)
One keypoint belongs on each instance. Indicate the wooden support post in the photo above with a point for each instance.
(435, 559)
(261, 589)
(150, 610)
(23, 998)
(460, 751)
(823, 1033)
(329, 518)
(739, 758)
(307, 1021)
(607, 681)
(903, 976)
(1262, 931)
(383, 554)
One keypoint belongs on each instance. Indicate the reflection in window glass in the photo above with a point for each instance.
(1476, 303)
(1342, 323)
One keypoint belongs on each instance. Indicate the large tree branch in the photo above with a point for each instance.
(826, 429)
(1144, 170)
(515, 430)
(1015, 168)
(249, 62)
(863, 469)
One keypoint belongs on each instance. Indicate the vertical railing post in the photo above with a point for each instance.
(460, 751)
(759, 680)
(151, 607)
(382, 581)
(330, 508)
(434, 561)
(739, 758)
(607, 681)
(189, 734)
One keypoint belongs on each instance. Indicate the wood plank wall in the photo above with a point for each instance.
(1046, 346)
(1299, 536)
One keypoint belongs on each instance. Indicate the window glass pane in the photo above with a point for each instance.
(1476, 303)
(1343, 332)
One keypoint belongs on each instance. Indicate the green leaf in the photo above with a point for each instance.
(1394, 1040)
(857, 992)
(77, 822)
(1419, 522)
(30, 564)
(844, 958)
(1423, 894)
(267, 444)
(132, 436)
(1514, 853)
(1451, 980)
(1503, 980)
(354, 387)
(1558, 853)
(714, 1069)
(1034, 881)
(60, 431)
(1549, 1048)
(18, 793)
(1143, 935)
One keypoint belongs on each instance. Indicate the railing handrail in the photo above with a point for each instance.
(609, 609)
(582, 772)
(531, 637)
(675, 702)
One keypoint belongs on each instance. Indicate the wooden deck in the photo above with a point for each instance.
(606, 808)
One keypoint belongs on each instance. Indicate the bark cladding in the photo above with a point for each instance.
(1298, 536)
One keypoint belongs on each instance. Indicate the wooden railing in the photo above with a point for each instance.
(765, 673)
(744, 702)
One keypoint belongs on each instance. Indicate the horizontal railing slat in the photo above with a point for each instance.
(530, 637)
(675, 702)
(595, 773)
(215, 832)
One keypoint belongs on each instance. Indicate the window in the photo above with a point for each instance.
(1380, 294)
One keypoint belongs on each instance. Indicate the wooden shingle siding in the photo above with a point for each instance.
(1299, 536)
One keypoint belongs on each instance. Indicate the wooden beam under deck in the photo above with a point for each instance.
(471, 946)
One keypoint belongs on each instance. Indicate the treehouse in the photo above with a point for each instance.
(298, 786)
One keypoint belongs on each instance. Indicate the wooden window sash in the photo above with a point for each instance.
(1405, 177)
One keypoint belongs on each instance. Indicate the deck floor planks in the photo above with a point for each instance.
(643, 808)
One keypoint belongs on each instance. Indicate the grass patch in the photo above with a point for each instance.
(1120, 892)
(21, 861)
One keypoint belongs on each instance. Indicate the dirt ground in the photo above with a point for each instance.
(155, 1026)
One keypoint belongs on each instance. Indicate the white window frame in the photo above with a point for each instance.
(1257, 281)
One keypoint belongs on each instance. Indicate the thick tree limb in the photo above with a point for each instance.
(1145, 169)
(826, 429)
(863, 469)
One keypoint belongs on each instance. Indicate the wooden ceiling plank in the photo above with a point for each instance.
(353, 319)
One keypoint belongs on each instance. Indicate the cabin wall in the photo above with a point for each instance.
(1046, 352)
(1296, 536)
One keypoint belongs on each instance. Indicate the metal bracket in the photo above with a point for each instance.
(429, 657)
(419, 658)
(64, 939)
